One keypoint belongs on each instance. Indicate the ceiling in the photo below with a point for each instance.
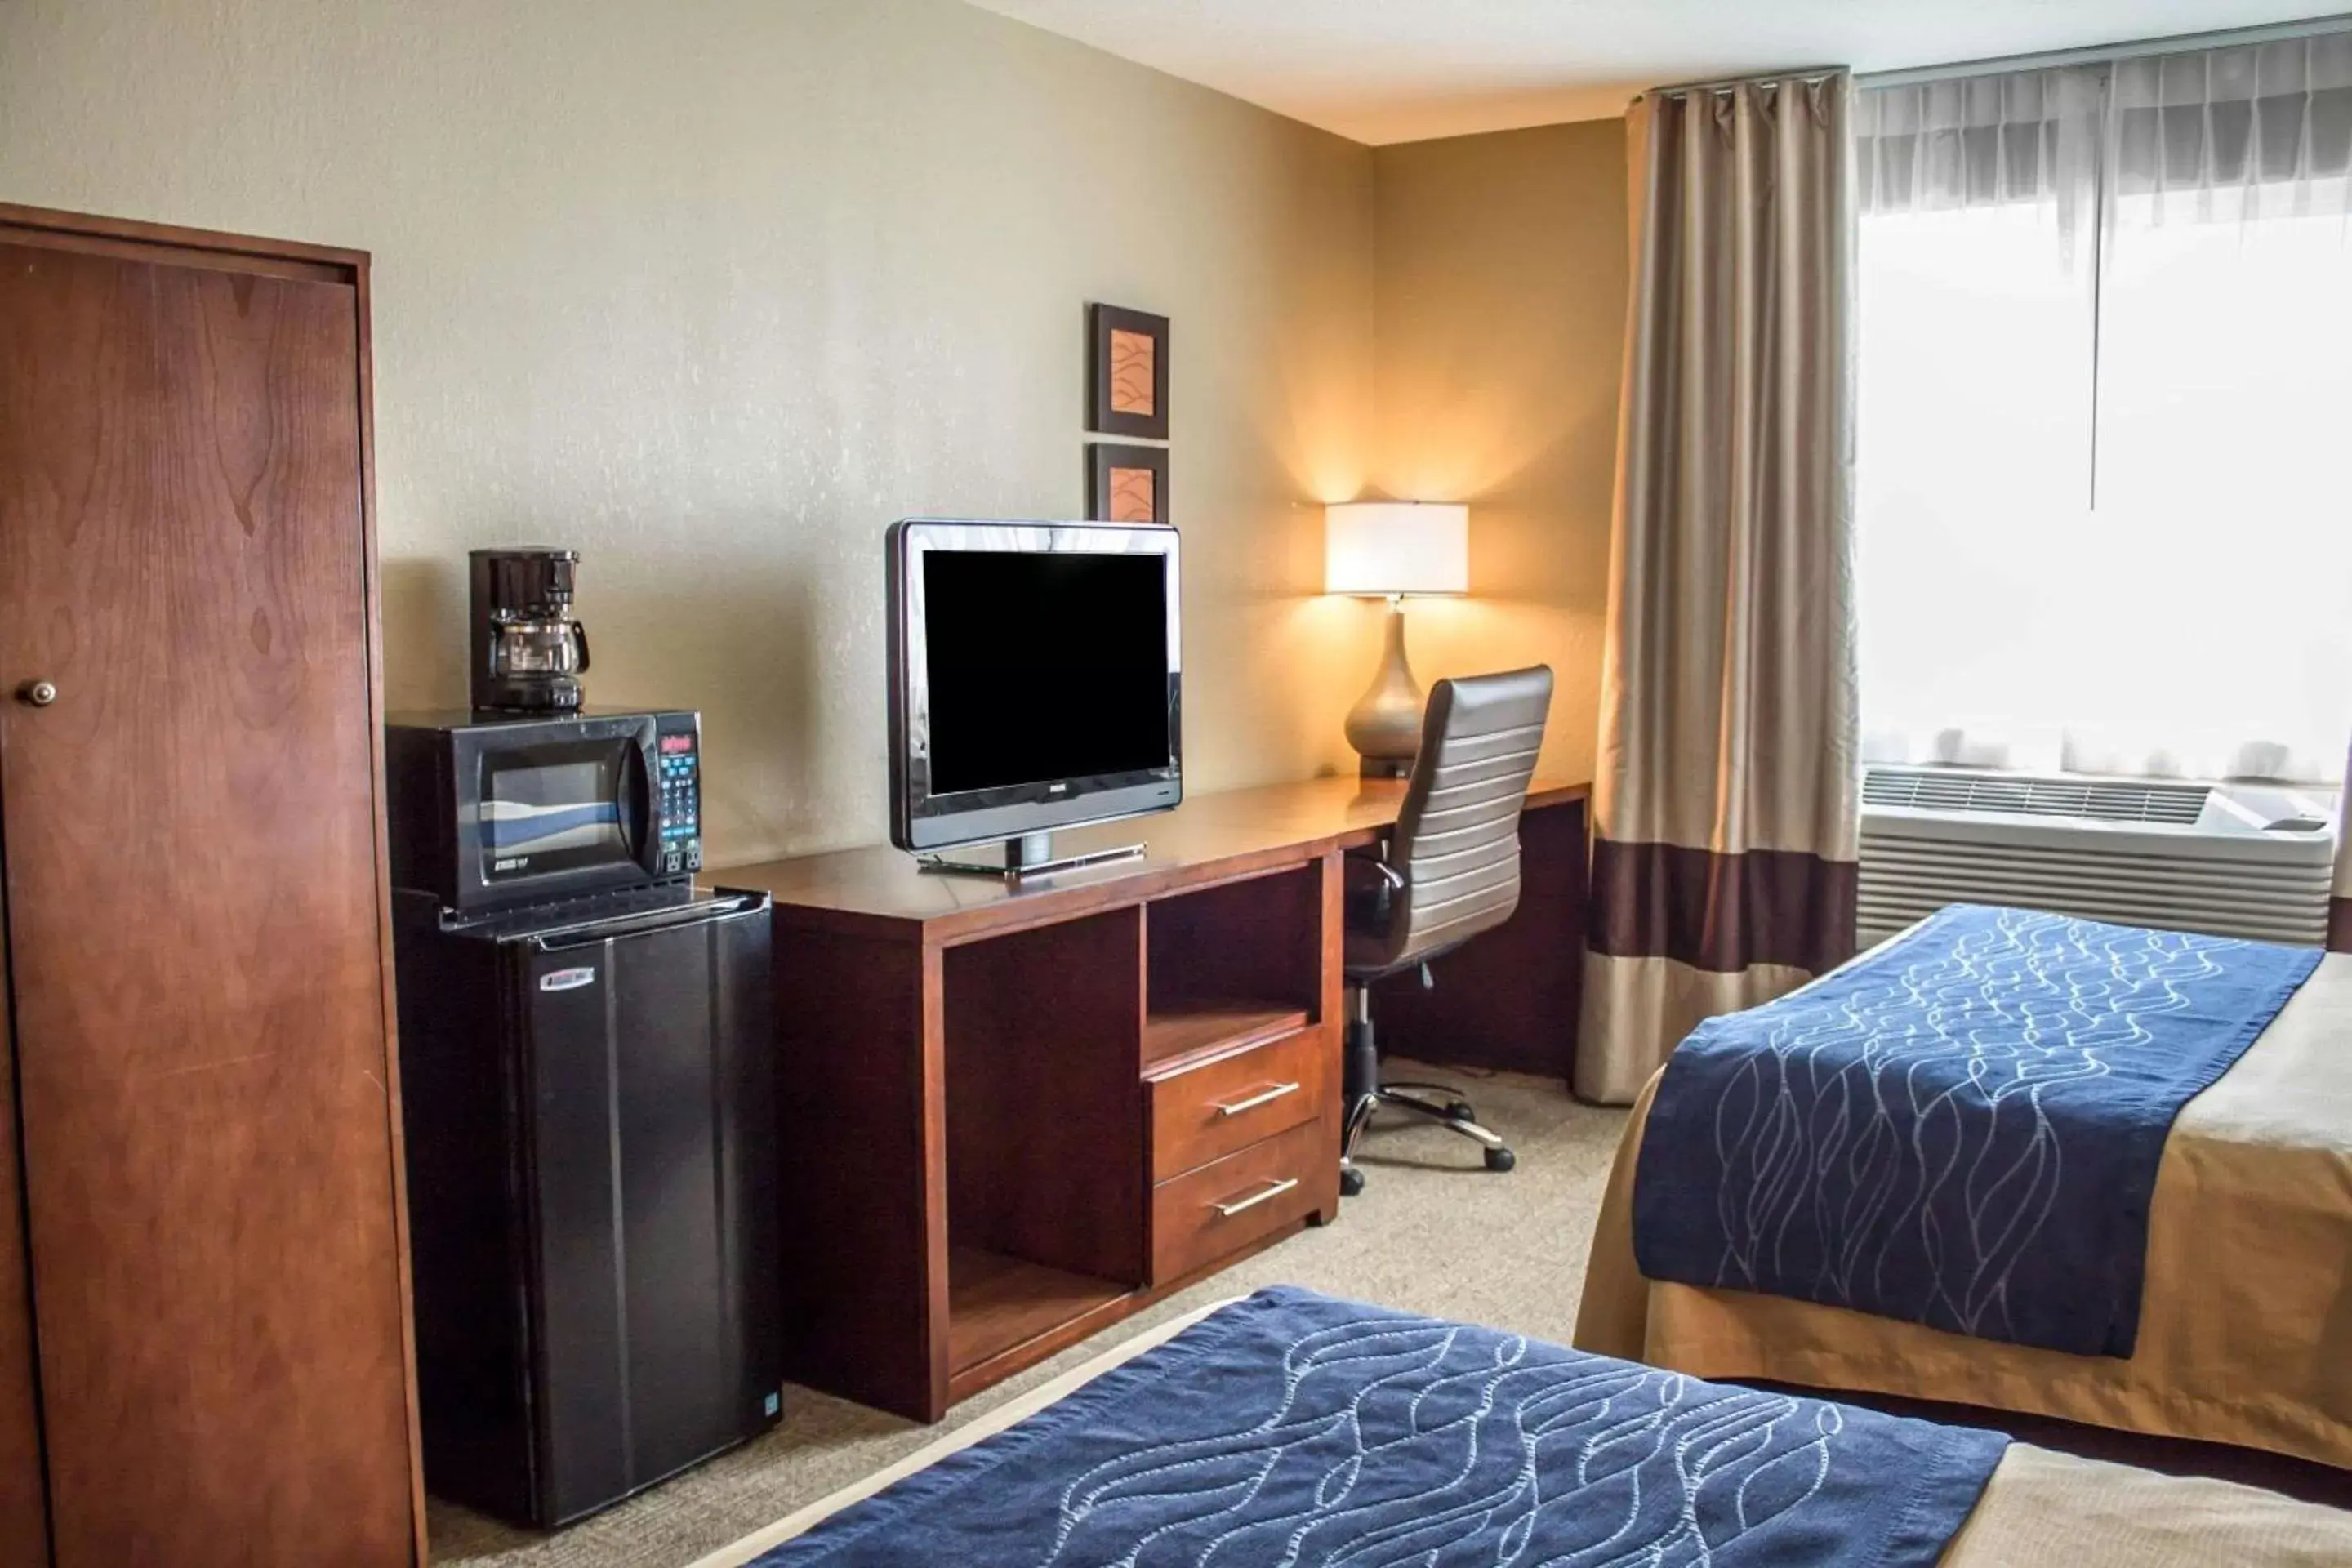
(1405, 70)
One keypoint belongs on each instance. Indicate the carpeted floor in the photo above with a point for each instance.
(1433, 1231)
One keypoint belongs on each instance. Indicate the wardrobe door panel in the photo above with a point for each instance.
(24, 1522)
(193, 912)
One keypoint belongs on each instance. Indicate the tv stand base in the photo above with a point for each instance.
(1031, 855)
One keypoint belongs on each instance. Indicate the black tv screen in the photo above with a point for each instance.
(1044, 667)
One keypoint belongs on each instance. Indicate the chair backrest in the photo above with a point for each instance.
(1456, 841)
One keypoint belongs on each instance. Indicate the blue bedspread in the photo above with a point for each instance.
(1293, 1428)
(1961, 1129)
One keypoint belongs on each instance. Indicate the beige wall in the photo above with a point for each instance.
(713, 291)
(1500, 319)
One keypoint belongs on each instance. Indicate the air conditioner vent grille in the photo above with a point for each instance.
(2101, 800)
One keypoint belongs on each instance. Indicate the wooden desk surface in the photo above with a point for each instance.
(1213, 835)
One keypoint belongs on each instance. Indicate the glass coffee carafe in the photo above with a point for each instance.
(522, 648)
(529, 651)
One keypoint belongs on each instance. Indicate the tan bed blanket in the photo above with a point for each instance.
(2040, 1510)
(2245, 1331)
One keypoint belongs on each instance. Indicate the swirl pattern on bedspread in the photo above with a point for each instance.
(1661, 1466)
(1293, 1428)
(1962, 1129)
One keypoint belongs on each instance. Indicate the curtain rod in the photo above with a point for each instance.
(2099, 53)
(1719, 84)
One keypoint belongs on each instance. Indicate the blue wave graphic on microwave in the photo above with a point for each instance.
(519, 827)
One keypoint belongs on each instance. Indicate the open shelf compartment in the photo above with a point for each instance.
(1230, 964)
(998, 1303)
(1209, 1030)
(1045, 1189)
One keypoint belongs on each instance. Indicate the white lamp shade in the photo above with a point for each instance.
(1384, 547)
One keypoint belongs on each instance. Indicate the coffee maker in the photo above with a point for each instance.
(529, 653)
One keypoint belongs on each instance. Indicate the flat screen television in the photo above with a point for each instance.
(1035, 679)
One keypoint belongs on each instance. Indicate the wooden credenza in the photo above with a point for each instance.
(203, 1320)
(1012, 1115)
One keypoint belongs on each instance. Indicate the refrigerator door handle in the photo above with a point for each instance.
(596, 934)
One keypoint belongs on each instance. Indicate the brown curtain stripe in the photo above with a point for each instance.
(1722, 913)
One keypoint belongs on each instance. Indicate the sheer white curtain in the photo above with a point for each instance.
(2104, 514)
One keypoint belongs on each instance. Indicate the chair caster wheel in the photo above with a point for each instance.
(1351, 1180)
(1461, 1111)
(1501, 1159)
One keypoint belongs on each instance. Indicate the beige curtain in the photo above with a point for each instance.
(1724, 793)
(2339, 902)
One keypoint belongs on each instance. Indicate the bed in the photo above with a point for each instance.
(1755, 1477)
(2242, 1270)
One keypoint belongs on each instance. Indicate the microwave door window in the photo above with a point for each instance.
(553, 808)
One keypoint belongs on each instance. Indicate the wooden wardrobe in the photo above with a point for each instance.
(203, 1314)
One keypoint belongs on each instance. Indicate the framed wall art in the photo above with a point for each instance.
(1126, 357)
(1127, 484)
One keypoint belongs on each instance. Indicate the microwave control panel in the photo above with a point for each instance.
(677, 803)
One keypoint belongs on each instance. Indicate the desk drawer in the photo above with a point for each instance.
(1230, 1102)
(1204, 1214)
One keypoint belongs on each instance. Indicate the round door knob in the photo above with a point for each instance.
(39, 693)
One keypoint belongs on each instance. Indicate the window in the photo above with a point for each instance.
(2105, 432)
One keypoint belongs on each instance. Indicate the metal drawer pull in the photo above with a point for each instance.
(1273, 1190)
(1262, 1097)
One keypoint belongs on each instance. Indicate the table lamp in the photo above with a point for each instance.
(1391, 548)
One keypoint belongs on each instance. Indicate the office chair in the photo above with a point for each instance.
(1448, 870)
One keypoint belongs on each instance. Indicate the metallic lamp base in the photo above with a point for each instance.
(1385, 726)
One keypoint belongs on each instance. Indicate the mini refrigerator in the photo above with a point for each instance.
(589, 1098)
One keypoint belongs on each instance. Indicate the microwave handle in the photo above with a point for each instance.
(636, 804)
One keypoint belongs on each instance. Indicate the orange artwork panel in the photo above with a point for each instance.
(1132, 495)
(1132, 367)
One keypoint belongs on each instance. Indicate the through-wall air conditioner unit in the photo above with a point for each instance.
(2250, 860)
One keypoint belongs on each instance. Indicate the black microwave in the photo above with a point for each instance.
(488, 811)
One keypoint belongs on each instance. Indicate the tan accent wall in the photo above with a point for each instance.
(1501, 274)
(713, 291)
